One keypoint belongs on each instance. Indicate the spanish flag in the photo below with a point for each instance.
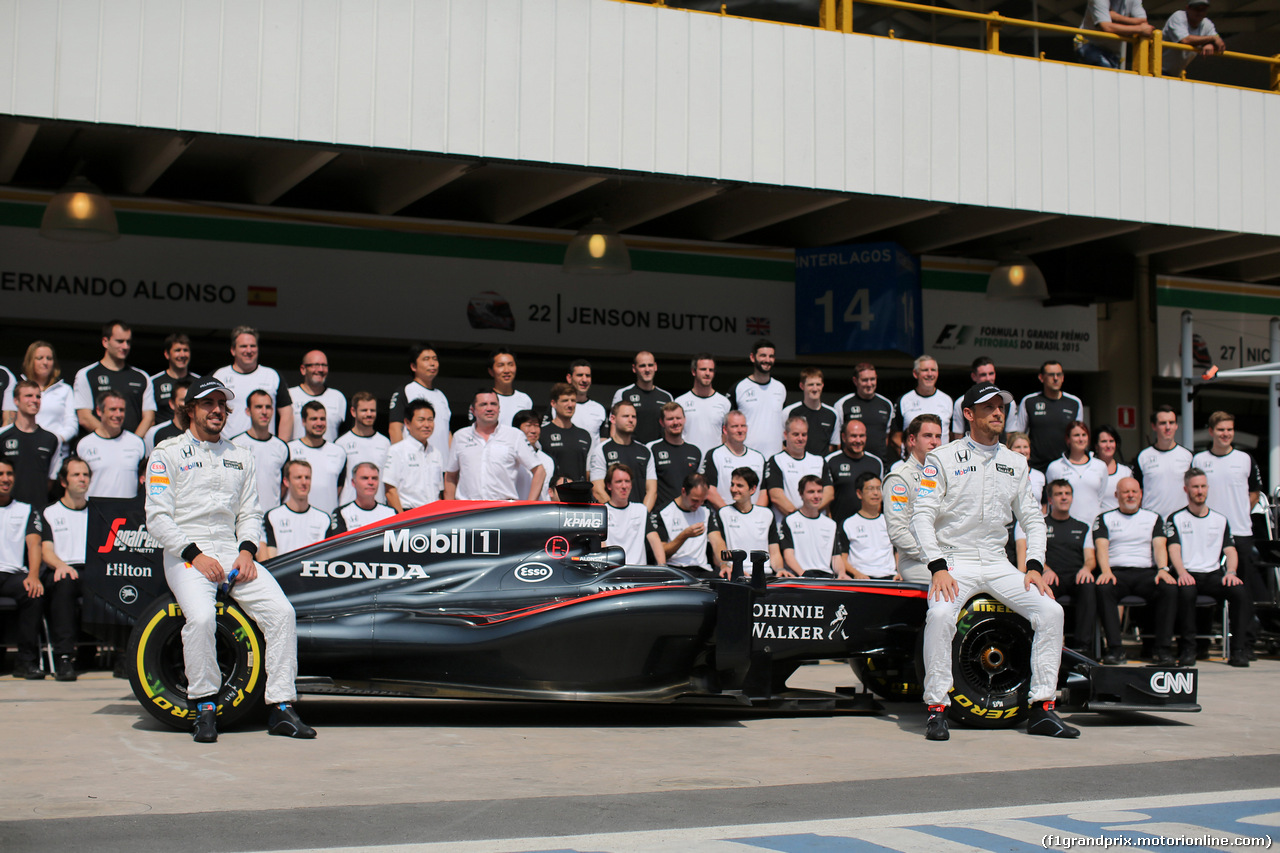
(263, 297)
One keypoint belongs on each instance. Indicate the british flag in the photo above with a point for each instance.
(757, 325)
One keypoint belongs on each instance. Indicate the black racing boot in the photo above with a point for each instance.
(66, 669)
(283, 720)
(1043, 720)
(936, 727)
(205, 729)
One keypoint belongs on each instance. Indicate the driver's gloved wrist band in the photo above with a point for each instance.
(1035, 566)
(938, 565)
(190, 552)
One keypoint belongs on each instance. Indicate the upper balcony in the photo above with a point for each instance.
(671, 122)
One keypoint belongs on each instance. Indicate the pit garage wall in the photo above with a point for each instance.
(635, 87)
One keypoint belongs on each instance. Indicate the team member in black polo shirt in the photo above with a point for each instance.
(821, 417)
(846, 465)
(1133, 560)
(672, 458)
(647, 398)
(295, 523)
(719, 463)
(113, 373)
(1069, 562)
(20, 529)
(63, 541)
(678, 531)
(1045, 416)
(622, 447)
(809, 539)
(177, 351)
(32, 449)
(1235, 485)
(743, 525)
(566, 444)
(874, 410)
(1199, 543)
(177, 423)
(1159, 468)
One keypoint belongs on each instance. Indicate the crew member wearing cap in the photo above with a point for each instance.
(969, 491)
(1190, 26)
(202, 504)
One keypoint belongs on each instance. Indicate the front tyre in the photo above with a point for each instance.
(158, 676)
(990, 665)
(894, 679)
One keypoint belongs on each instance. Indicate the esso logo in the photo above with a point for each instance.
(1173, 682)
(533, 572)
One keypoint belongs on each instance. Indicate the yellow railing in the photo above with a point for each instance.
(1147, 59)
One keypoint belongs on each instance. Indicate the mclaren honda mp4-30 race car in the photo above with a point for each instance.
(520, 601)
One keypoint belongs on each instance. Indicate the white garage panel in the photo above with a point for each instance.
(643, 88)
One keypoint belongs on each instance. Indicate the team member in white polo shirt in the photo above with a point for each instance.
(365, 509)
(483, 458)
(743, 525)
(1200, 544)
(868, 553)
(328, 460)
(589, 414)
(65, 535)
(20, 529)
(1235, 485)
(783, 471)
(111, 451)
(925, 398)
(808, 539)
(704, 407)
(761, 397)
(244, 375)
(362, 443)
(1086, 473)
(414, 475)
(295, 523)
(424, 364)
(627, 518)
(678, 531)
(315, 375)
(719, 463)
(269, 452)
(1159, 468)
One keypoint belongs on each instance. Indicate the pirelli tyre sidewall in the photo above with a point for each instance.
(990, 665)
(157, 674)
(892, 678)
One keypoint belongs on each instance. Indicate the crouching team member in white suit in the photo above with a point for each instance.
(202, 504)
(969, 491)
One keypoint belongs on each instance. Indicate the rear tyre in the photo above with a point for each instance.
(156, 672)
(990, 665)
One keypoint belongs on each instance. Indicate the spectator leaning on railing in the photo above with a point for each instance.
(1118, 17)
(1190, 26)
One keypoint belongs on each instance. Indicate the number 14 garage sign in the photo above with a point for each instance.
(863, 297)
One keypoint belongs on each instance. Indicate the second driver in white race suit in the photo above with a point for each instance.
(969, 491)
(202, 504)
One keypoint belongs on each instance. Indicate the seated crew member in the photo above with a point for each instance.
(328, 460)
(868, 553)
(199, 513)
(530, 424)
(20, 571)
(678, 531)
(1200, 543)
(719, 463)
(415, 467)
(960, 524)
(1069, 562)
(783, 470)
(922, 437)
(743, 525)
(808, 539)
(365, 509)
(65, 534)
(1133, 559)
(627, 518)
(295, 523)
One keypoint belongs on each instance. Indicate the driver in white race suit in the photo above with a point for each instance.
(969, 491)
(202, 504)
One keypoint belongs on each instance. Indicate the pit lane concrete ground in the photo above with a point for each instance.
(86, 769)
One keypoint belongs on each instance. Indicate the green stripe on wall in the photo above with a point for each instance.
(1176, 297)
(321, 236)
(965, 282)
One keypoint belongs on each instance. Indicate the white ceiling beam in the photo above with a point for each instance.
(276, 171)
(148, 159)
(410, 181)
